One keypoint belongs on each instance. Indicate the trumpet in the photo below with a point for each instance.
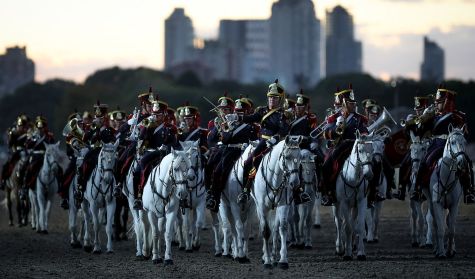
(320, 129)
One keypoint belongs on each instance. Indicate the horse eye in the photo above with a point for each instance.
(295, 161)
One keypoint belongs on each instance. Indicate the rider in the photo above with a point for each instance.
(99, 132)
(341, 130)
(302, 125)
(154, 142)
(439, 121)
(420, 104)
(189, 129)
(274, 126)
(73, 133)
(36, 146)
(128, 132)
(234, 139)
(214, 137)
(17, 136)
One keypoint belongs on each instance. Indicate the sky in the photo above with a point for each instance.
(71, 38)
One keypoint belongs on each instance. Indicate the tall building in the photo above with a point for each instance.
(16, 69)
(295, 43)
(343, 52)
(247, 49)
(433, 66)
(179, 37)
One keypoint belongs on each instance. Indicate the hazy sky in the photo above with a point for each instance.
(72, 38)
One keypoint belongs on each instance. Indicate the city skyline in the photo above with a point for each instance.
(73, 45)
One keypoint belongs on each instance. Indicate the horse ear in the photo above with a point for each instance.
(173, 152)
(451, 128)
(413, 137)
(58, 143)
(287, 139)
(197, 142)
(464, 128)
(182, 144)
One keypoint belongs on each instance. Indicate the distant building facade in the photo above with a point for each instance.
(295, 43)
(343, 52)
(433, 66)
(16, 69)
(179, 35)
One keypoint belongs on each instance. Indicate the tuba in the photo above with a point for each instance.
(380, 126)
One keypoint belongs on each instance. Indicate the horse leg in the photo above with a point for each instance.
(377, 214)
(170, 225)
(282, 213)
(239, 231)
(187, 229)
(111, 205)
(200, 220)
(153, 221)
(9, 206)
(429, 223)
(72, 214)
(302, 213)
(451, 220)
(359, 226)
(369, 212)
(414, 218)
(317, 219)
(41, 199)
(86, 222)
(266, 234)
(440, 223)
(346, 227)
(226, 228)
(19, 210)
(96, 222)
(308, 227)
(138, 233)
(339, 247)
(147, 241)
(48, 211)
(217, 241)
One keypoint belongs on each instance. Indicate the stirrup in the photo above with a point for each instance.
(243, 197)
(469, 199)
(416, 196)
(64, 204)
(327, 200)
(212, 204)
(379, 197)
(138, 204)
(117, 190)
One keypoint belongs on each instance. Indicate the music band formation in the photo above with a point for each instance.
(153, 129)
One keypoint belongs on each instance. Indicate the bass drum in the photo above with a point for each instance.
(397, 146)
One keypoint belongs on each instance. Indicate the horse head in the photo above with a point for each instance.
(51, 158)
(418, 151)
(363, 150)
(378, 149)
(193, 152)
(106, 162)
(308, 168)
(289, 161)
(455, 146)
(179, 173)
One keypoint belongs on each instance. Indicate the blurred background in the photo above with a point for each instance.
(58, 56)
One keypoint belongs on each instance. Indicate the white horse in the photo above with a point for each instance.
(373, 214)
(304, 211)
(46, 187)
(317, 218)
(446, 191)
(12, 191)
(276, 177)
(351, 194)
(165, 187)
(75, 209)
(234, 216)
(99, 193)
(193, 206)
(418, 151)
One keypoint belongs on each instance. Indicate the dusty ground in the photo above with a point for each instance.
(26, 254)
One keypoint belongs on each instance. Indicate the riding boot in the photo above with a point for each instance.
(466, 180)
(117, 190)
(137, 194)
(64, 204)
(248, 179)
(300, 196)
(212, 200)
(401, 193)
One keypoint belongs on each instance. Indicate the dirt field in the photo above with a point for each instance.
(26, 254)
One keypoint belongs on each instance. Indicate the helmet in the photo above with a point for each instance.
(40, 122)
(100, 110)
(275, 90)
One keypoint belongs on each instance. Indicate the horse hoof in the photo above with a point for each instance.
(146, 258)
(317, 226)
(10, 224)
(139, 258)
(451, 254)
(168, 262)
(44, 232)
(361, 257)
(88, 249)
(189, 251)
(300, 246)
(157, 261)
(267, 266)
(181, 248)
(251, 238)
(175, 243)
(376, 240)
(39, 231)
(339, 253)
(97, 252)
(196, 247)
(283, 266)
(32, 228)
(110, 252)
(243, 260)
(274, 264)
(218, 255)
(347, 258)
(76, 245)
(415, 245)
(308, 247)
(441, 257)
(371, 241)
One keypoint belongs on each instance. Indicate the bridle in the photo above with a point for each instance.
(49, 165)
(358, 167)
(102, 172)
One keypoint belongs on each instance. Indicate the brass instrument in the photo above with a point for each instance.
(428, 114)
(384, 118)
(219, 121)
(72, 128)
(320, 129)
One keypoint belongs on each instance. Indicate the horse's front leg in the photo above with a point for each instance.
(451, 221)
(266, 233)
(377, 214)
(440, 229)
(308, 227)
(200, 219)
(153, 221)
(283, 213)
(9, 206)
(169, 231)
(111, 205)
(217, 239)
(187, 229)
(317, 219)
(347, 228)
(97, 226)
(40, 199)
(360, 227)
(415, 217)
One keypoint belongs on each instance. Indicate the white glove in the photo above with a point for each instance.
(163, 148)
(340, 120)
(271, 142)
(244, 146)
(313, 146)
